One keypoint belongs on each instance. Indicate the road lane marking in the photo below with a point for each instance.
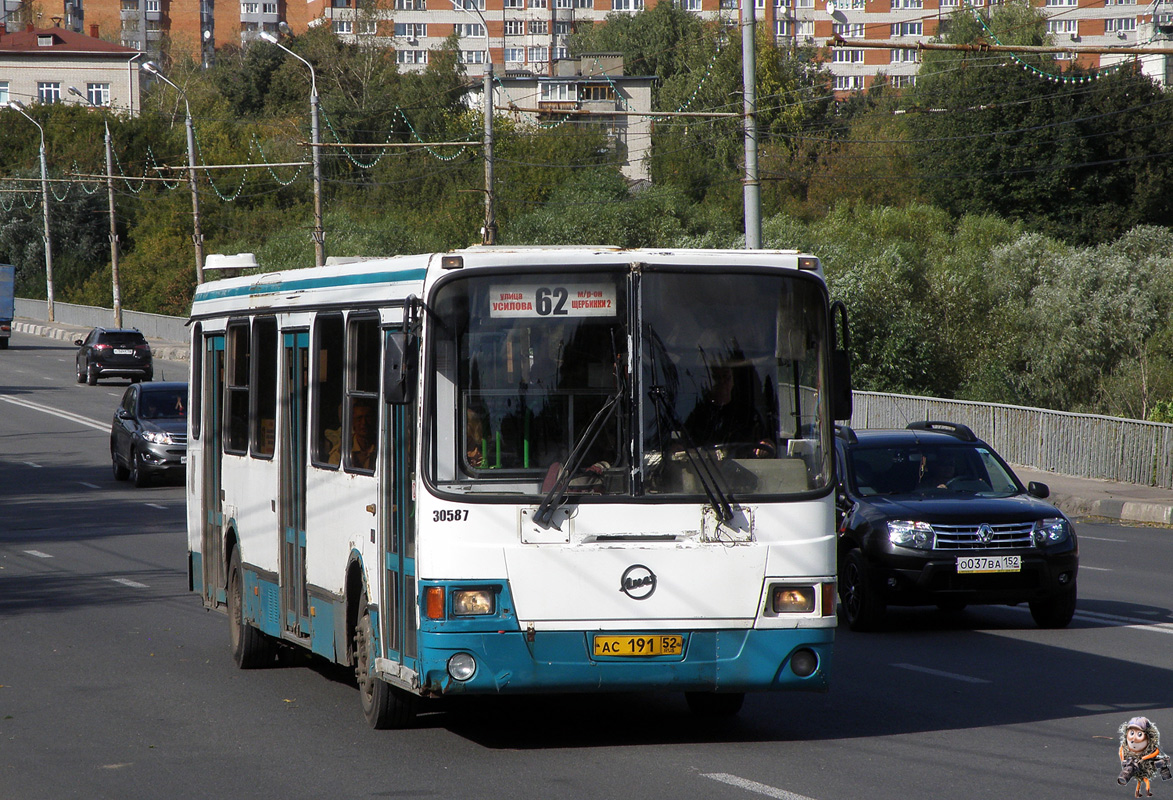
(951, 675)
(1094, 569)
(38, 554)
(32, 464)
(56, 412)
(1101, 539)
(130, 583)
(90, 485)
(753, 786)
(1125, 622)
(156, 505)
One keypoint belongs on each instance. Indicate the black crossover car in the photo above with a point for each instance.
(932, 515)
(148, 437)
(113, 353)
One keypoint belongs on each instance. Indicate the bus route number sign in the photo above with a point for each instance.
(552, 301)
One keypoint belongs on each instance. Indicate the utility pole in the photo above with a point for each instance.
(117, 291)
(751, 185)
(489, 232)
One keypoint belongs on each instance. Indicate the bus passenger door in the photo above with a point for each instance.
(294, 599)
(397, 529)
(215, 577)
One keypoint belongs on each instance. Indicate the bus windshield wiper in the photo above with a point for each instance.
(701, 464)
(557, 494)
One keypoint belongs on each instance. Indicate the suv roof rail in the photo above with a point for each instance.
(846, 433)
(962, 432)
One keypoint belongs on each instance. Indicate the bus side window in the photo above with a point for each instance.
(237, 390)
(329, 361)
(362, 395)
(264, 417)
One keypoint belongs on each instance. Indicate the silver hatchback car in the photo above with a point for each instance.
(148, 437)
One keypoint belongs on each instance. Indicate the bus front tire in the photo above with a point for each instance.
(251, 648)
(383, 705)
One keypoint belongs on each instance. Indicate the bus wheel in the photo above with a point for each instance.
(383, 705)
(714, 704)
(251, 648)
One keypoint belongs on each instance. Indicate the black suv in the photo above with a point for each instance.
(113, 353)
(932, 515)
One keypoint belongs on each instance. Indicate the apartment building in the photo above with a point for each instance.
(532, 35)
(43, 65)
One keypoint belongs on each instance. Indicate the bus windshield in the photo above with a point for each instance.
(716, 391)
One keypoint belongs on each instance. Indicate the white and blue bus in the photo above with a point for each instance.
(518, 470)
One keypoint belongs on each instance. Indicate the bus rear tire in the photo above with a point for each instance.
(251, 648)
(383, 705)
(714, 704)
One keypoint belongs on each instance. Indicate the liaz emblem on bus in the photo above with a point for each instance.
(577, 300)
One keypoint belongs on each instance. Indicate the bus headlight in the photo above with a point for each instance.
(473, 602)
(462, 666)
(792, 599)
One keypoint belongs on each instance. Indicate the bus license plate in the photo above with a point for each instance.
(653, 645)
(973, 564)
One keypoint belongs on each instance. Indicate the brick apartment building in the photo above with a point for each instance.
(530, 35)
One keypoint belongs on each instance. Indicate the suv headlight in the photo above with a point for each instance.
(907, 533)
(157, 437)
(1050, 531)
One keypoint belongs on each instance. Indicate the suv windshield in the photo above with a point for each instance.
(716, 392)
(924, 469)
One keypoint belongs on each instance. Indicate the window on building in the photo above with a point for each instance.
(152, 6)
(268, 8)
(1120, 25)
(250, 8)
(411, 30)
(563, 3)
(561, 52)
(1062, 26)
(584, 3)
(848, 30)
(470, 30)
(781, 27)
(409, 5)
(514, 4)
(690, 5)
(559, 92)
(366, 27)
(514, 27)
(471, 5)
(596, 93)
(842, 55)
(536, 55)
(537, 3)
(564, 28)
(538, 27)
(4, 98)
(627, 5)
(905, 56)
(516, 54)
(343, 27)
(908, 4)
(806, 28)
(98, 94)
(903, 81)
(411, 56)
(848, 83)
(472, 56)
(49, 91)
(908, 29)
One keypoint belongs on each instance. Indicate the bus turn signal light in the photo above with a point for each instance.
(434, 602)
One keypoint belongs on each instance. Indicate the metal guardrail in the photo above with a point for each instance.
(153, 326)
(1083, 445)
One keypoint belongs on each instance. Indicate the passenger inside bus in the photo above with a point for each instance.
(362, 435)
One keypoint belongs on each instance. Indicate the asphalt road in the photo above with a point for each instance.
(115, 683)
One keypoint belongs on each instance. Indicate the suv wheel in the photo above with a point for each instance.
(92, 375)
(861, 607)
(137, 474)
(81, 374)
(1056, 611)
(121, 473)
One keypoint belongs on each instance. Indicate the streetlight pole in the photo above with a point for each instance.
(44, 207)
(319, 234)
(197, 236)
(116, 283)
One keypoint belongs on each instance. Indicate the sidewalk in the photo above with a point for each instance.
(1076, 497)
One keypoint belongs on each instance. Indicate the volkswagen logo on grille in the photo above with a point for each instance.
(638, 582)
(985, 533)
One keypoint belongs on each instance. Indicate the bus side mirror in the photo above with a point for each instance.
(841, 405)
(396, 369)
